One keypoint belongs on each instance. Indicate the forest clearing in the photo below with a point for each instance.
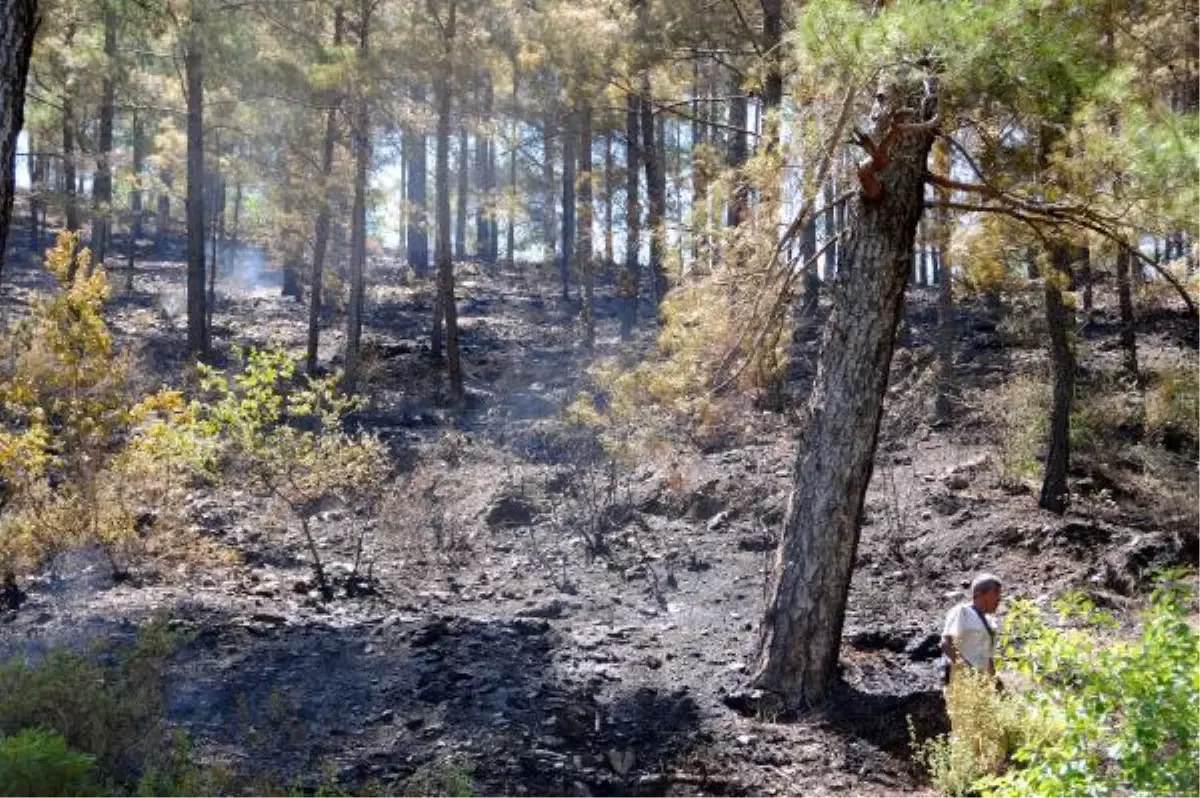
(598, 398)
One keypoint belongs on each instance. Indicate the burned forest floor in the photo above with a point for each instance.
(540, 619)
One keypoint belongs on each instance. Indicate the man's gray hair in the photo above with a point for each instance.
(984, 583)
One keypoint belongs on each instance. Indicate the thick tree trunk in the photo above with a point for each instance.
(321, 234)
(802, 627)
(193, 64)
(1125, 300)
(460, 198)
(656, 196)
(568, 206)
(1055, 494)
(358, 217)
(627, 283)
(587, 271)
(102, 184)
(21, 19)
(418, 215)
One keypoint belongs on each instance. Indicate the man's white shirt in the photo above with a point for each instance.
(970, 636)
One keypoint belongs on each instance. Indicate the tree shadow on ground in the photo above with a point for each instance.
(377, 699)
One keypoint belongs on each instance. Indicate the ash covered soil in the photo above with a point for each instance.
(553, 625)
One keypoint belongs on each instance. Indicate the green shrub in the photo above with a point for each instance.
(985, 729)
(38, 762)
(114, 711)
(1122, 712)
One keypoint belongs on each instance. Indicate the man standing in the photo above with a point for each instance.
(968, 638)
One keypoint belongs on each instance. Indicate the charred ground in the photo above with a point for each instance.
(549, 623)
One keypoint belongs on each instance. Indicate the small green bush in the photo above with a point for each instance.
(38, 762)
(1097, 712)
(1123, 713)
(113, 710)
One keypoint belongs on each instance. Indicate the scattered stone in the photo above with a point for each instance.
(555, 608)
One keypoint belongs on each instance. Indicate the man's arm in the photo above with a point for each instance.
(949, 649)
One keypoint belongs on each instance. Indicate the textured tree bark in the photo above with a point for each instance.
(418, 228)
(1055, 494)
(193, 64)
(773, 85)
(627, 282)
(70, 188)
(698, 165)
(568, 206)
(1125, 300)
(445, 264)
(802, 627)
(358, 216)
(656, 195)
(21, 19)
(460, 198)
(321, 235)
(586, 269)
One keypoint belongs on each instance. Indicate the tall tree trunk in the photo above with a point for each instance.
(1085, 277)
(550, 217)
(418, 215)
(511, 242)
(321, 234)
(1125, 300)
(135, 192)
(802, 627)
(772, 97)
(464, 188)
(608, 199)
(738, 153)
(193, 64)
(923, 254)
(445, 264)
(102, 184)
(568, 206)
(490, 249)
(1054, 495)
(943, 404)
(37, 203)
(21, 19)
(162, 215)
(627, 284)
(70, 186)
(656, 195)
(586, 267)
(699, 165)
(358, 217)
